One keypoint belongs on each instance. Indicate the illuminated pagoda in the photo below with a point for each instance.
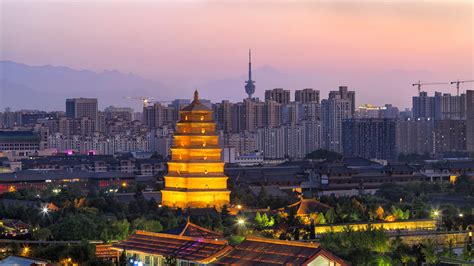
(195, 176)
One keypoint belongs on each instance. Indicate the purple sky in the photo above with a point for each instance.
(377, 48)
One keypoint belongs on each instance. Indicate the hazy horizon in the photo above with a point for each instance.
(377, 48)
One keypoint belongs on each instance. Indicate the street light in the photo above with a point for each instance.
(461, 215)
(240, 221)
(44, 210)
(239, 206)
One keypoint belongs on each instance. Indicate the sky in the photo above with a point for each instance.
(377, 48)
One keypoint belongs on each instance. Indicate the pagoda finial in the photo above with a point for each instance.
(196, 96)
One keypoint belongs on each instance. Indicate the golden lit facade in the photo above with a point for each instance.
(195, 176)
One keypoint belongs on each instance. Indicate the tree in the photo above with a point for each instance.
(330, 216)
(147, 225)
(428, 250)
(320, 219)
(42, 234)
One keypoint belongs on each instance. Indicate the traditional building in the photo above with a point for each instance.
(191, 244)
(195, 172)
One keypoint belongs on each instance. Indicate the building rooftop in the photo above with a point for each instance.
(18, 136)
(189, 248)
(193, 230)
(262, 251)
(43, 175)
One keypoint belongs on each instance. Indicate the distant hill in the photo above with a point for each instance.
(46, 87)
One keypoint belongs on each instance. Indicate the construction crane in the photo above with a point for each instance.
(459, 82)
(419, 84)
(145, 100)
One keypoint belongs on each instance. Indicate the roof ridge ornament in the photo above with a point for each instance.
(196, 96)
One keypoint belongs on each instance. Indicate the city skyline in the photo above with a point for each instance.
(387, 47)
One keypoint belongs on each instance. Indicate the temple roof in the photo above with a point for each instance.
(196, 105)
(189, 248)
(105, 251)
(262, 251)
(308, 206)
(193, 230)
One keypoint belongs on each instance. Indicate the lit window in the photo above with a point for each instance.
(186, 117)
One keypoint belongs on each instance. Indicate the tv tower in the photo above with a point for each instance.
(249, 84)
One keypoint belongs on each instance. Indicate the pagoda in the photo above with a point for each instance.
(195, 176)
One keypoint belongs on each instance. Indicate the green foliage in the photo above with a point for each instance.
(42, 234)
(428, 250)
(147, 225)
(262, 221)
(320, 219)
(235, 240)
(464, 186)
(330, 216)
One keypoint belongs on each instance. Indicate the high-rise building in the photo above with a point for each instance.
(307, 95)
(450, 136)
(370, 138)
(278, 95)
(272, 114)
(415, 136)
(223, 115)
(249, 84)
(440, 106)
(344, 94)
(195, 176)
(470, 120)
(338, 107)
(158, 115)
(82, 107)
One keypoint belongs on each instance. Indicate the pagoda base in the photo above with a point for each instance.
(195, 199)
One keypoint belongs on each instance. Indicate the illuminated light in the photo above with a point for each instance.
(180, 157)
(44, 210)
(435, 213)
(124, 184)
(11, 189)
(182, 143)
(461, 215)
(452, 179)
(204, 144)
(205, 157)
(470, 234)
(215, 239)
(203, 130)
(202, 117)
(159, 205)
(25, 251)
(205, 171)
(240, 221)
(239, 207)
(186, 117)
(178, 171)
